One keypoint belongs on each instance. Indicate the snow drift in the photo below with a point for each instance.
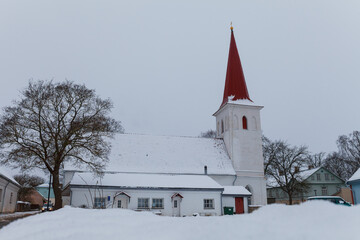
(313, 220)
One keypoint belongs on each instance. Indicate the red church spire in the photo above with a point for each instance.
(235, 84)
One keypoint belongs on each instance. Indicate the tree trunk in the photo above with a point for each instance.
(57, 190)
(290, 199)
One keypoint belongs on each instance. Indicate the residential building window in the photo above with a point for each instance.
(244, 122)
(327, 177)
(324, 191)
(313, 177)
(119, 203)
(318, 177)
(332, 178)
(143, 203)
(11, 198)
(208, 203)
(157, 203)
(99, 202)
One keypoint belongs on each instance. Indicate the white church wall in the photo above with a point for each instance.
(192, 202)
(224, 180)
(257, 186)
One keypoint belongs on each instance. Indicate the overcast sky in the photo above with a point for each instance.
(163, 63)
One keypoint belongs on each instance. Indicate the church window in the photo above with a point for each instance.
(99, 202)
(208, 203)
(218, 129)
(244, 122)
(143, 203)
(249, 188)
(222, 126)
(119, 203)
(226, 123)
(157, 203)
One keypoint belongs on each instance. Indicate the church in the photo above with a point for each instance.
(184, 176)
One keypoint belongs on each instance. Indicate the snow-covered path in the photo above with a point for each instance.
(315, 220)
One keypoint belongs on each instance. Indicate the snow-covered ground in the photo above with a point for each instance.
(315, 220)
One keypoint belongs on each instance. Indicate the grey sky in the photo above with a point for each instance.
(163, 63)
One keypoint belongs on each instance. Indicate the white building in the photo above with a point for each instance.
(8, 192)
(203, 175)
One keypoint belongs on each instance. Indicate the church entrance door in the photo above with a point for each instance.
(239, 205)
(176, 206)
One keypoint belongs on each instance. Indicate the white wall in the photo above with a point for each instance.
(8, 196)
(193, 201)
(244, 147)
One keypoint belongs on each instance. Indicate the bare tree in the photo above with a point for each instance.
(28, 184)
(208, 134)
(336, 163)
(55, 123)
(270, 151)
(316, 160)
(349, 149)
(285, 167)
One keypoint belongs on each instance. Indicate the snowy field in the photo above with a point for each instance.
(315, 220)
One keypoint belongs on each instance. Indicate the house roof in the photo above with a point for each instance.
(355, 176)
(167, 154)
(236, 190)
(143, 180)
(271, 182)
(7, 175)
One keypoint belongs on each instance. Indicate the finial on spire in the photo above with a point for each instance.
(231, 27)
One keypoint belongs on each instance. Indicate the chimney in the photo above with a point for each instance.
(205, 170)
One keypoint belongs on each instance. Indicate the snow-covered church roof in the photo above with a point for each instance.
(167, 154)
(143, 180)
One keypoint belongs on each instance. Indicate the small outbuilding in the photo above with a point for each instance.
(8, 192)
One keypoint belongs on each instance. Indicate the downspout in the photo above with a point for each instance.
(221, 202)
(3, 198)
(234, 180)
(70, 197)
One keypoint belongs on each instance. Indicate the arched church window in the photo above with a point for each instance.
(244, 122)
(249, 188)
(222, 126)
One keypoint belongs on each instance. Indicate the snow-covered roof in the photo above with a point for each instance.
(167, 154)
(236, 190)
(307, 173)
(355, 176)
(271, 182)
(6, 173)
(143, 180)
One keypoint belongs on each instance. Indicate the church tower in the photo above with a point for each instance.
(238, 124)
